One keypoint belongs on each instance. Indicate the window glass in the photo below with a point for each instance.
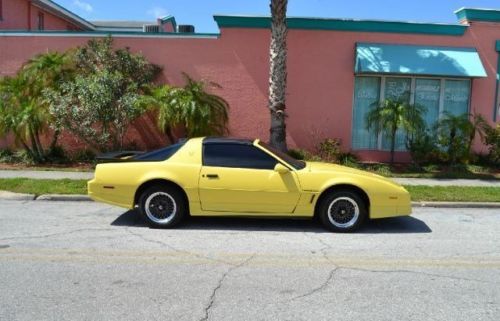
(427, 93)
(295, 163)
(456, 97)
(160, 154)
(237, 155)
(397, 89)
(366, 97)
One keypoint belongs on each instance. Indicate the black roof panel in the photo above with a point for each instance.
(227, 140)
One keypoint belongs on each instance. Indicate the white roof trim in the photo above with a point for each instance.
(64, 13)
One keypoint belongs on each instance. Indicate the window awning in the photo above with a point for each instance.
(418, 60)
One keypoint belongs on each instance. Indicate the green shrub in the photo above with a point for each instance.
(298, 153)
(6, 156)
(423, 149)
(84, 156)
(24, 157)
(329, 150)
(57, 155)
(492, 140)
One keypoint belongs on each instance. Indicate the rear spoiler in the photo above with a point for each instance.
(115, 157)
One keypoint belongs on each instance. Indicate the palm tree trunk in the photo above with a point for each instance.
(393, 144)
(170, 135)
(278, 74)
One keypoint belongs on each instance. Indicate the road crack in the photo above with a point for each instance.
(177, 250)
(219, 284)
(320, 288)
(418, 272)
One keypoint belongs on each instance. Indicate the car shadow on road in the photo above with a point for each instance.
(395, 225)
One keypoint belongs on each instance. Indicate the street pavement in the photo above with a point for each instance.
(87, 261)
(404, 181)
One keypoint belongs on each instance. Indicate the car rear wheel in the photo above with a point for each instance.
(342, 211)
(162, 206)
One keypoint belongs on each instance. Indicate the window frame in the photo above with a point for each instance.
(40, 21)
(383, 79)
(251, 145)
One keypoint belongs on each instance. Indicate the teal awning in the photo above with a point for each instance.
(418, 60)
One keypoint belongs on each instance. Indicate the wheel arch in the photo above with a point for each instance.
(342, 187)
(161, 182)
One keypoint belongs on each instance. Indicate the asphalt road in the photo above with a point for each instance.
(85, 261)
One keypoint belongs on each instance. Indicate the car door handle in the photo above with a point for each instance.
(212, 176)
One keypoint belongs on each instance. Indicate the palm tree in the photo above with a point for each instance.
(197, 111)
(278, 74)
(43, 72)
(23, 109)
(391, 115)
(456, 133)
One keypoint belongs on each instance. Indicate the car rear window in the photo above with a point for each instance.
(160, 154)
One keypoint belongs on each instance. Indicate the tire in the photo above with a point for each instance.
(162, 206)
(342, 211)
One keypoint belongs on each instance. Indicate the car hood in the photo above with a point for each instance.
(319, 167)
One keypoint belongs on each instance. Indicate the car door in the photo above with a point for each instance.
(240, 178)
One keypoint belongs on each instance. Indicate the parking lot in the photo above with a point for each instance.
(86, 261)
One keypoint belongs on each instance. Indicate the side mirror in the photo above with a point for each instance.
(281, 169)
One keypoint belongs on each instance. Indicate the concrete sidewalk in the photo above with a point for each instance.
(403, 181)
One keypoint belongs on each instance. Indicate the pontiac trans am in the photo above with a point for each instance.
(236, 177)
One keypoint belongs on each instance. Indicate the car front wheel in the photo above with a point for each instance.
(162, 206)
(342, 211)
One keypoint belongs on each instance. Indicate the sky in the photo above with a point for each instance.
(200, 12)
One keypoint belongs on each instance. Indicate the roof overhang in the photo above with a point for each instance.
(63, 13)
(264, 22)
(374, 58)
(475, 14)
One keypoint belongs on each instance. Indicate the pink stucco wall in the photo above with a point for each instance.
(320, 81)
(22, 15)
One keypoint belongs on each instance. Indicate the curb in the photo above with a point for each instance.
(63, 198)
(9, 196)
(456, 204)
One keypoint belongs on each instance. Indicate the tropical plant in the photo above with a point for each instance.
(23, 109)
(492, 140)
(455, 134)
(391, 115)
(278, 74)
(100, 102)
(194, 109)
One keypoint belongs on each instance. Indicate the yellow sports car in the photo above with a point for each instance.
(236, 177)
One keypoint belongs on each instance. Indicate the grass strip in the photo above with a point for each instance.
(43, 186)
(418, 193)
(454, 193)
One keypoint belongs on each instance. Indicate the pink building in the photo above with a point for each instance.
(337, 68)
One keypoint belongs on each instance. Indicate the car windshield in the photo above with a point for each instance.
(297, 164)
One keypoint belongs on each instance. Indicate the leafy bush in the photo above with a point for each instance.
(84, 156)
(492, 140)
(100, 102)
(329, 150)
(6, 156)
(57, 155)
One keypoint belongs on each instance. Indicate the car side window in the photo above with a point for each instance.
(237, 156)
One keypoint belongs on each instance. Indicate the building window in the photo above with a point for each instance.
(437, 95)
(1, 9)
(41, 22)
